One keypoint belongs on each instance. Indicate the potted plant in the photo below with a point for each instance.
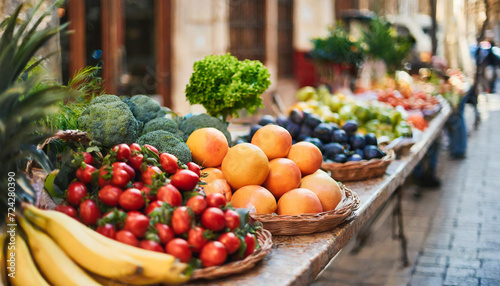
(383, 45)
(335, 56)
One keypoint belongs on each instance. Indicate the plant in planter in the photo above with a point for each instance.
(336, 54)
(382, 43)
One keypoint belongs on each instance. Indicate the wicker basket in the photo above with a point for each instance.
(361, 170)
(66, 135)
(264, 238)
(311, 223)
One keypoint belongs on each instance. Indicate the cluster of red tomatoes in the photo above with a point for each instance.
(418, 100)
(150, 200)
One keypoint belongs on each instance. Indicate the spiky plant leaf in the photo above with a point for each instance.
(21, 104)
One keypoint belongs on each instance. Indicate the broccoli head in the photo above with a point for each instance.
(165, 141)
(109, 121)
(144, 107)
(190, 124)
(162, 123)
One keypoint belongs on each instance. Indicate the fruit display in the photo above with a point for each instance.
(59, 250)
(337, 144)
(413, 100)
(273, 175)
(140, 197)
(371, 115)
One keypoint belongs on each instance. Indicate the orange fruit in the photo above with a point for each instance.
(256, 198)
(218, 186)
(274, 140)
(245, 164)
(284, 175)
(326, 188)
(211, 174)
(299, 201)
(307, 156)
(208, 146)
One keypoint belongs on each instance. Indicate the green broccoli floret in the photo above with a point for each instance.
(105, 98)
(163, 123)
(144, 107)
(190, 124)
(165, 141)
(109, 121)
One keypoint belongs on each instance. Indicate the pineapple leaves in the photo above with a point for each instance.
(17, 48)
(24, 101)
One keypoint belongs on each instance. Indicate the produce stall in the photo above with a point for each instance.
(124, 190)
(297, 260)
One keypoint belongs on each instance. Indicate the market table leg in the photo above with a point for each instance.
(398, 212)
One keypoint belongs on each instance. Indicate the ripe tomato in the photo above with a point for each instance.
(69, 210)
(251, 244)
(89, 212)
(131, 199)
(232, 219)
(213, 253)
(152, 148)
(76, 192)
(88, 159)
(147, 176)
(152, 206)
(196, 239)
(231, 242)
(197, 203)
(85, 175)
(169, 163)
(120, 178)
(147, 192)
(213, 218)
(192, 166)
(103, 177)
(138, 185)
(122, 165)
(179, 248)
(127, 237)
(151, 245)
(135, 161)
(181, 220)
(123, 152)
(137, 223)
(110, 195)
(165, 233)
(134, 147)
(108, 230)
(216, 200)
(118, 219)
(185, 180)
(169, 194)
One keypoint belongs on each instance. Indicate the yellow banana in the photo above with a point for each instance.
(157, 267)
(3, 248)
(57, 267)
(84, 249)
(25, 272)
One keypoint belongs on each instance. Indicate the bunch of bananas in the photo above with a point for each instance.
(61, 251)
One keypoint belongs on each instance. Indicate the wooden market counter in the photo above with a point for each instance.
(297, 260)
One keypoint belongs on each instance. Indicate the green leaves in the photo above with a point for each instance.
(337, 47)
(224, 85)
(383, 43)
(23, 100)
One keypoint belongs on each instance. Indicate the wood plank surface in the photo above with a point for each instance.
(297, 260)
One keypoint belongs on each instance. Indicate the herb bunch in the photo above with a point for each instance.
(224, 85)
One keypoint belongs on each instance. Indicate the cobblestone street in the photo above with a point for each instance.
(453, 232)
